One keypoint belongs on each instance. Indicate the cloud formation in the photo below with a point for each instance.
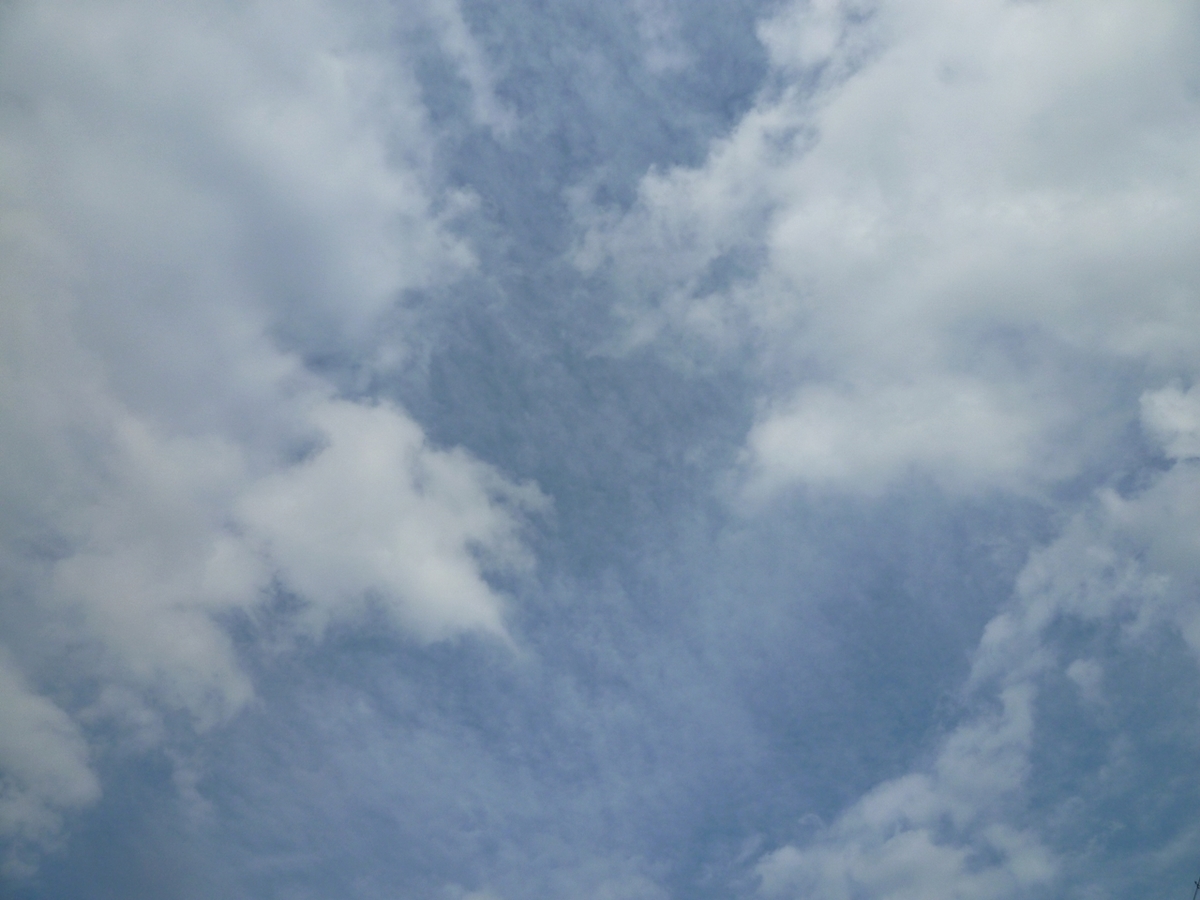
(851, 344)
(195, 197)
(971, 825)
(956, 243)
(933, 222)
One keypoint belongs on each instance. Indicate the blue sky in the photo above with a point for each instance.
(631, 451)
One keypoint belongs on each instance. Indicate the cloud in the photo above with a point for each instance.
(931, 834)
(456, 41)
(378, 514)
(932, 222)
(972, 825)
(44, 769)
(867, 437)
(196, 198)
(940, 262)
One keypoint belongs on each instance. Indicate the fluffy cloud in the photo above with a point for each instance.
(193, 198)
(955, 244)
(379, 515)
(937, 223)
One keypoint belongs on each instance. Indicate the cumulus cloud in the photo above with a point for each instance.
(193, 198)
(933, 221)
(955, 242)
(379, 515)
(865, 438)
(946, 243)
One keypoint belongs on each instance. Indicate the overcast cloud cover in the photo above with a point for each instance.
(629, 451)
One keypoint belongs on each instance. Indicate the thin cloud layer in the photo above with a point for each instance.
(193, 197)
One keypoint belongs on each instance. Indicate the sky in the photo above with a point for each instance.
(645, 450)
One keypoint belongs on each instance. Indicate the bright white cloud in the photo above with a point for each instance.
(187, 192)
(378, 515)
(1173, 416)
(959, 427)
(936, 216)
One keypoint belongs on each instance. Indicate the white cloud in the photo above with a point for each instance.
(866, 437)
(187, 192)
(937, 214)
(379, 515)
